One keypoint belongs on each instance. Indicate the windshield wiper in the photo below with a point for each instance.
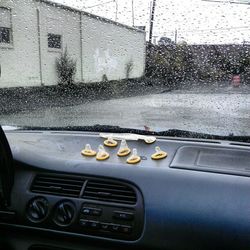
(197, 135)
(95, 128)
(168, 133)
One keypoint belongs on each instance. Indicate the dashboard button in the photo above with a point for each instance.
(84, 223)
(123, 215)
(115, 228)
(91, 211)
(86, 211)
(105, 226)
(125, 229)
(94, 224)
(96, 212)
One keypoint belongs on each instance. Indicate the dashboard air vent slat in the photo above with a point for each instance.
(109, 192)
(101, 189)
(58, 185)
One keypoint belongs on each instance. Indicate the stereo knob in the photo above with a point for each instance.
(64, 213)
(37, 209)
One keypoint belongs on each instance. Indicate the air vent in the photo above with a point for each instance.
(58, 185)
(109, 192)
(95, 189)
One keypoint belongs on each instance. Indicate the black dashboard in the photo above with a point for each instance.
(196, 198)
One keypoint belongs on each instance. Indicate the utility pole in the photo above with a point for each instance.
(176, 36)
(152, 16)
(155, 39)
(133, 13)
(116, 10)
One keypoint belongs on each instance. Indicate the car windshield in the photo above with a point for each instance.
(153, 65)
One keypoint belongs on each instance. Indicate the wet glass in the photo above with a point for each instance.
(146, 64)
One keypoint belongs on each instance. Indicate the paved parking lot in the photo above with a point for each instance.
(216, 111)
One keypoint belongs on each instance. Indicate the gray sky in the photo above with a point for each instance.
(197, 21)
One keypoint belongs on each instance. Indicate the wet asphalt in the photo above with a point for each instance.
(219, 111)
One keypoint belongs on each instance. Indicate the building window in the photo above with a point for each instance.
(5, 25)
(4, 35)
(54, 41)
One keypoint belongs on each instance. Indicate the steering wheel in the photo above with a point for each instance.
(6, 171)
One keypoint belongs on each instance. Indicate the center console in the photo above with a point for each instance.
(83, 205)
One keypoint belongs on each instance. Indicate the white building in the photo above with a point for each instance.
(33, 33)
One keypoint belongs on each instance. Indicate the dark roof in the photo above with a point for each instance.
(103, 19)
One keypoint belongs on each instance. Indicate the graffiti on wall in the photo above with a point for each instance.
(104, 62)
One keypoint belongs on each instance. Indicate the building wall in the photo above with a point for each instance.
(60, 22)
(99, 47)
(19, 60)
(108, 48)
